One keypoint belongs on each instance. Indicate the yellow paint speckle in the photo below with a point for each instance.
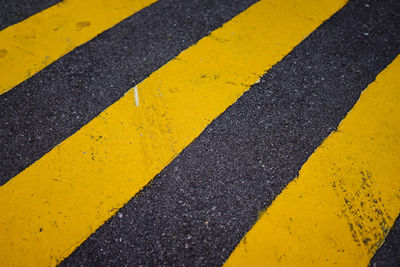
(83, 24)
(3, 53)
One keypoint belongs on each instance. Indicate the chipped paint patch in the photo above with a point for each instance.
(364, 211)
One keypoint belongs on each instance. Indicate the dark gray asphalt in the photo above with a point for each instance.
(14, 11)
(44, 110)
(389, 254)
(199, 207)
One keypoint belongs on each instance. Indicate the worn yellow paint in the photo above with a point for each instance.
(340, 208)
(31, 45)
(56, 203)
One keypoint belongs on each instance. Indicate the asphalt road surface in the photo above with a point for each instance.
(212, 160)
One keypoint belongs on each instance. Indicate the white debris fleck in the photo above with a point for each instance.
(120, 215)
(136, 93)
(366, 33)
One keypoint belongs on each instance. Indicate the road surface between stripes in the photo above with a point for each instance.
(340, 208)
(32, 44)
(57, 202)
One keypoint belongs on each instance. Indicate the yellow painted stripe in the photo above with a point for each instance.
(347, 196)
(31, 45)
(55, 204)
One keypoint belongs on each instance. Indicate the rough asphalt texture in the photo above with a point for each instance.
(199, 207)
(240, 162)
(14, 11)
(44, 110)
(389, 253)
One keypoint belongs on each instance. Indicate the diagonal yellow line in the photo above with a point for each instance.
(55, 204)
(347, 196)
(31, 45)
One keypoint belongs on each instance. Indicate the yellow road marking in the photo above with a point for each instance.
(347, 196)
(31, 45)
(55, 204)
